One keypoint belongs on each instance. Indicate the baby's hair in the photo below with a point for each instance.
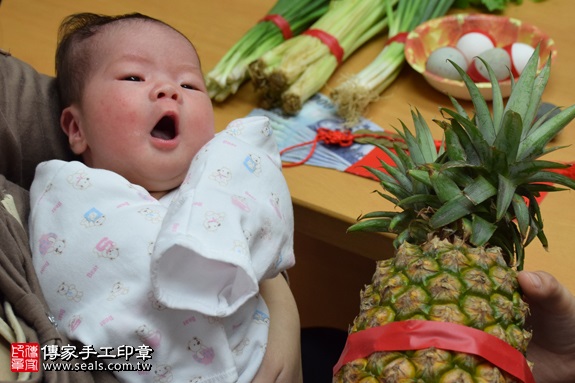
(73, 54)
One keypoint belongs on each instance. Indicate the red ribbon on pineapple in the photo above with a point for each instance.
(421, 334)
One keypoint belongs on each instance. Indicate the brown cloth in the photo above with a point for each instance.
(19, 286)
(29, 121)
(29, 134)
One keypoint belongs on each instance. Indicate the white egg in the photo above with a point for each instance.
(520, 53)
(472, 44)
(499, 61)
(437, 62)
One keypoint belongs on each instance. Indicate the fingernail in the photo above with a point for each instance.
(535, 279)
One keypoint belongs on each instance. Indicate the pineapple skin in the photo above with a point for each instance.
(443, 280)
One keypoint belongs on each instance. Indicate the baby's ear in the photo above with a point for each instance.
(69, 122)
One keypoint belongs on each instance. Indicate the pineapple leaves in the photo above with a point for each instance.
(483, 185)
(372, 225)
(415, 152)
(497, 100)
(522, 170)
(505, 193)
(520, 97)
(453, 210)
(445, 188)
(403, 157)
(477, 148)
(458, 107)
(544, 118)
(420, 201)
(552, 177)
(538, 87)
(420, 175)
(519, 248)
(400, 219)
(453, 146)
(399, 176)
(483, 116)
(378, 214)
(400, 162)
(521, 213)
(480, 190)
(509, 136)
(534, 144)
(424, 139)
(464, 204)
(481, 230)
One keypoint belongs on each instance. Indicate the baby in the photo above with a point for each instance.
(162, 235)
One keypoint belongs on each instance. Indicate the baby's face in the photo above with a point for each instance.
(145, 111)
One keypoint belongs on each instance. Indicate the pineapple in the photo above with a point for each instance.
(468, 209)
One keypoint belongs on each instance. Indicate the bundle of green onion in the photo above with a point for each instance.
(289, 74)
(286, 18)
(353, 96)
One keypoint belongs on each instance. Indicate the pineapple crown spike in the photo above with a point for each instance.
(482, 184)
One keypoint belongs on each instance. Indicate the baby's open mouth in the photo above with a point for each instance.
(165, 129)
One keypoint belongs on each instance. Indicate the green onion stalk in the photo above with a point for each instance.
(232, 70)
(289, 74)
(353, 96)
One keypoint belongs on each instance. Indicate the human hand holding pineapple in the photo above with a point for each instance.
(552, 306)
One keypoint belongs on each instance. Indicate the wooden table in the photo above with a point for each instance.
(332, 265)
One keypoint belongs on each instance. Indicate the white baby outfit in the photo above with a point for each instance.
(181, 274)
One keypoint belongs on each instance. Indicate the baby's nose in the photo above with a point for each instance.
(167, 91)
